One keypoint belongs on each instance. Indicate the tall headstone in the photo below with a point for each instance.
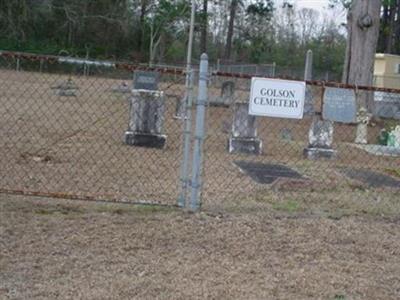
(320, 139)
(146, 112)
(243, 137)
(309, 99)
(320, 135)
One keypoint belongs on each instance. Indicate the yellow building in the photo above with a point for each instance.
(387, 71)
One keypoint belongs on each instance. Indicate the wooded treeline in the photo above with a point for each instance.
(247, 31)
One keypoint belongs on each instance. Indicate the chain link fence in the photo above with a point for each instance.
(76, 130)
(345, 149)
(63, 131)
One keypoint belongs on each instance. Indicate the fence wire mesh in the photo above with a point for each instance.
(255, 163)
(77, 130)
(64, 134)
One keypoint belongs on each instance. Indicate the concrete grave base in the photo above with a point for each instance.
(318, 153)
(145, 140)
(66, 93)
(243, 145)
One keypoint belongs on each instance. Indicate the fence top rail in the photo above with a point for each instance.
(52, 59)
(320, 83)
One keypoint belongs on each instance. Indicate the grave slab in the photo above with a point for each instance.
(371, 178)
(266, 173)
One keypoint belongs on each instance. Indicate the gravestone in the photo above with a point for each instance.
(339, 105)
(394, 138)
(308, 100)
(179, 106)
(227, 92)
(266, 173)
(286, 134)
(309, 109)
(320, 139)
(146, 80)
(122, 88)
(243, 137)
(66, 89)
(371, 178)
(387, 105)
(227, 95)
(146, 121)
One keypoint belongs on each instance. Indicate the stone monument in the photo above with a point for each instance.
(320, 139)
(363, 118)
(243, 137)
(146, 112)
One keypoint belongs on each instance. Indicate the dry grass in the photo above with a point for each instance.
(52, 249)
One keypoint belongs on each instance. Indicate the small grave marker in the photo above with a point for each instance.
(339, 105)
(320, 139)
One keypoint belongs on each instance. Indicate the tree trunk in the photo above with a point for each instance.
(143, 11)
(204, 25)
(234, 5)
(363, 30)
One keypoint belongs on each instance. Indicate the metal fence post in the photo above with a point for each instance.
(187, 131)
(199, 134)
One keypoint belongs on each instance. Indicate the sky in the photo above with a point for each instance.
(337, 14)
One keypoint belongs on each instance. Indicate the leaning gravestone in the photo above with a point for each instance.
(147, 107)
(243, 137)
(387, 105)
(339, 105)
(320, 139)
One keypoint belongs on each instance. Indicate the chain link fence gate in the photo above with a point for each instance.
(63, 130)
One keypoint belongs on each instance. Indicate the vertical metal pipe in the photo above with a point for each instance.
(199, 134)
(187, 116)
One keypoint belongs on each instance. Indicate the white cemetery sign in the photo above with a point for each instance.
(277, 98)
